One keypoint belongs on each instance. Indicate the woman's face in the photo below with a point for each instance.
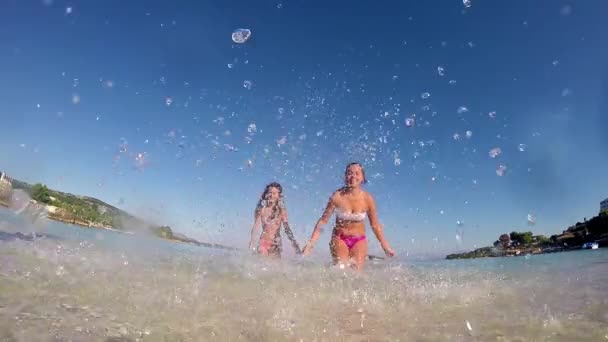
(272, 195)
(354, 176)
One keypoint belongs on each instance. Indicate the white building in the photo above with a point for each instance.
(604, 205)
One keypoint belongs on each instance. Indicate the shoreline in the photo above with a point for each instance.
(83, 224)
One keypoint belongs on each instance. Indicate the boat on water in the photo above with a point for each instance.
(590, 245)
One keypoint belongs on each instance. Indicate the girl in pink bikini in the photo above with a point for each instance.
(352, 205)
(271, 213)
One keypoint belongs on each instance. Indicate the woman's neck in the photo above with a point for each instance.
(352, 190)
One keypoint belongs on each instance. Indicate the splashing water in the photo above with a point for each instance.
(501, 170)
(106, 286)
(241, 36)
(462, 109)
(531, 220)
(495, 152)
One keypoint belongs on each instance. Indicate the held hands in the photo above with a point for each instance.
(307, 249)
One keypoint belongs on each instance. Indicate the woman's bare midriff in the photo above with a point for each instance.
(269, 233)
(349, 228)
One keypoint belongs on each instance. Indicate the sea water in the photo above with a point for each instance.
(79, 284)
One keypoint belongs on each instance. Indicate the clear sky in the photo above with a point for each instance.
(150, 106)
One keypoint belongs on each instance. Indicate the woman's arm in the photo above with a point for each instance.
(329, 210)
(372, 214)
(289, 233)
(254, 230)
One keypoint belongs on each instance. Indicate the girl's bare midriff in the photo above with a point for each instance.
(348, 228)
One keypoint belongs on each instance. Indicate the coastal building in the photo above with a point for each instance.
(604, 205)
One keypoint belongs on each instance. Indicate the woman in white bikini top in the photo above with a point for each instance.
(352, 205)
(353, 217)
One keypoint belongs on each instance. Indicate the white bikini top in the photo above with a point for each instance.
(355, 217)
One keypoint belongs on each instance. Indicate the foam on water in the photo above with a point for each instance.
(85, 288)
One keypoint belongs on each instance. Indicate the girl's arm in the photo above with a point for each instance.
(376, 226)
(289, 233)
(254, 230)
(329, 210)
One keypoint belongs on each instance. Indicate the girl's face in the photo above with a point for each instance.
(272, 195)
(354, 176)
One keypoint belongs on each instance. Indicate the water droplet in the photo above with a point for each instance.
(168, 101)
(410, 122)
(459, 223)
(441, 71)
(241, 35)
(469, 326)
(252, 128)
(501, 170)
(230, 148)
(462, 109)
(425, 95)
(522, 147)
(279, 5)
(397, 161)
(468, 134)
(452, 82)
(555, 62)
(75, 99)
(531, 220)
(230, 65)
(141, 160)
(492, 115)
(467, 3)
(495, 152)
(456, 136)
(68, 10)
(247, 85)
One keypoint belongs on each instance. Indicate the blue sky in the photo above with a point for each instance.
(331, 82)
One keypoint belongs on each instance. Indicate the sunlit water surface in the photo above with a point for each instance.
(94, 285)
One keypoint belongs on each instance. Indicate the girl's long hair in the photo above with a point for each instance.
(277, 207)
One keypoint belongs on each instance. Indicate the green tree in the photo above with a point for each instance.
(40, 193)
(164, 232)
(543, 240)
(522, 239)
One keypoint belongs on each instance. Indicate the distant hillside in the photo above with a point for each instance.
(522, 243)
(92, 212)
